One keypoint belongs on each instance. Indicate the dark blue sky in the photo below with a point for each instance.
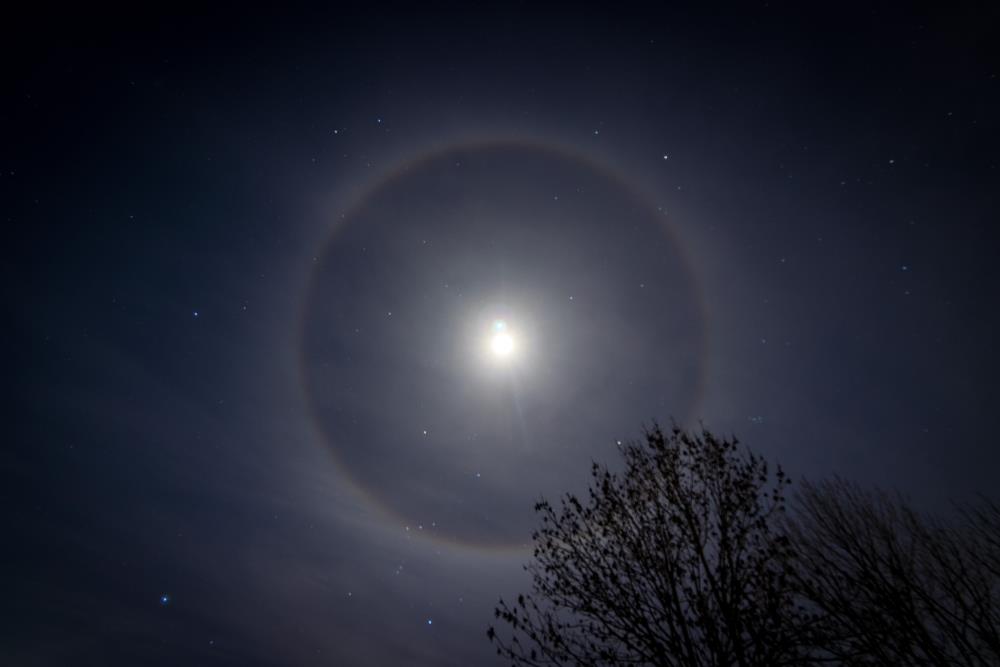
(224, 449)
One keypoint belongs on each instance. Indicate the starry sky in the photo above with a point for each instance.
(253, 263)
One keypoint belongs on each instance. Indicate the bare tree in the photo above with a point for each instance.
(894, 587)
(678, 560)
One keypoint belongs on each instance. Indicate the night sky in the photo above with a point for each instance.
(306, 310)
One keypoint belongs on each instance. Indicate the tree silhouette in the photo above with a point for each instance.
(680, 559)
(893, 587)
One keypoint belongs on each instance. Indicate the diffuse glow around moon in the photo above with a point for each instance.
(492, 269)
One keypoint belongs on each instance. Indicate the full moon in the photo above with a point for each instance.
(501, 343)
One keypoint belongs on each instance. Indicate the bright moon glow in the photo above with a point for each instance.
(501, 343)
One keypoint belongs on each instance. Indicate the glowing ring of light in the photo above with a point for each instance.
(371, 498)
